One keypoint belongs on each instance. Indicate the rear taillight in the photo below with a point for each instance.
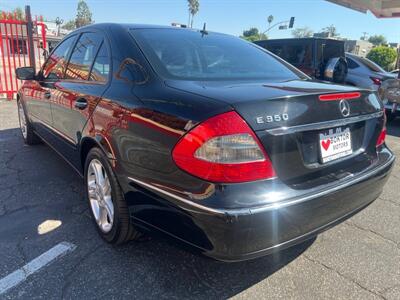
(376, 81)
(382, 135)
(381, 138)
(223, 149)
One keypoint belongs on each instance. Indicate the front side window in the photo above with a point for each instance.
(83, 56)
(55, 65)
(351, 63)
(191, 55)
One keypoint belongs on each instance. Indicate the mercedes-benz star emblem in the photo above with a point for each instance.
(344, 108)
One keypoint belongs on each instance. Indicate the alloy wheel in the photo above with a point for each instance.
(99, 191)
(22, 120)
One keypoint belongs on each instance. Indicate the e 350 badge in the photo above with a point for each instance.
(272, 118)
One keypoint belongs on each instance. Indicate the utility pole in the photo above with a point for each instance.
(29, 28)
(398, 60)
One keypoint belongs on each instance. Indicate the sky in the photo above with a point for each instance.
(227, 16)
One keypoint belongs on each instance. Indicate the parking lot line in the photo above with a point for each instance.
(34, 265)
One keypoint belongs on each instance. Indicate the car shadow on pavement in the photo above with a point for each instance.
(159, 269)
(37, 185)
(209, 278)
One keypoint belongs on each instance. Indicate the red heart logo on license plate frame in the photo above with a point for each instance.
(326, 144)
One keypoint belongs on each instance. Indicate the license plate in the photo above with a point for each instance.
(334, 144)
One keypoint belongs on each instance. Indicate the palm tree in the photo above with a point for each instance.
(193, 10)
(270, 20)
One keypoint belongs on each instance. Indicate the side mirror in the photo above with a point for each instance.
(25, 73)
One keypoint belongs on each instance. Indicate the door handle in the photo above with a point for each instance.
(47, 95)
(81, 103)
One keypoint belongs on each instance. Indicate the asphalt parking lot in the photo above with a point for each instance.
(42, 205)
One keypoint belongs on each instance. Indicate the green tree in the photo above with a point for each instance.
(383, 56)
(253, 34)
(377, 40)
(83, 14)
(331, 30)
(302, 32)
(17, 14)
(194, 6)
(70, 25)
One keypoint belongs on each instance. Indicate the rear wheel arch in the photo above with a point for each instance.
(88, 143)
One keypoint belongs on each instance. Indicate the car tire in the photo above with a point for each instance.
(29, 136)
(106, 201)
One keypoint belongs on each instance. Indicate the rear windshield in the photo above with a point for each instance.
(191, 55)
(370, 64)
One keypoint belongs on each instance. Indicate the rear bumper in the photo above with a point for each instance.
(240, 234)
(268, 229)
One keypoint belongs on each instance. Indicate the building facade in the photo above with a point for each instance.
(358, 47)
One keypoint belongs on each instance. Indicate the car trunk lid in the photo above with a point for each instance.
(292, 123)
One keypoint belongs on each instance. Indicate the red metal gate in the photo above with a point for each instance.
(15, 46)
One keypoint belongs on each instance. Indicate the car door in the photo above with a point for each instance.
(75, 97)
(38, 95)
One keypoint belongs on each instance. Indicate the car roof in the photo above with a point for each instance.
(350, 54)
(127, 26)
(355, 56)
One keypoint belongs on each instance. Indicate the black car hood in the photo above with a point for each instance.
(233, 92)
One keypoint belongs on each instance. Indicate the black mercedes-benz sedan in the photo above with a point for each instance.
(204, 137)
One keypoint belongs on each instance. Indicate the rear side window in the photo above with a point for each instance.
(101, 66)
(332, 49)
(82, 56)
(55, 65)
(278, 50)
(299, 54)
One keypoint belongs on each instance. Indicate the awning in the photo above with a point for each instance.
(380, 8)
